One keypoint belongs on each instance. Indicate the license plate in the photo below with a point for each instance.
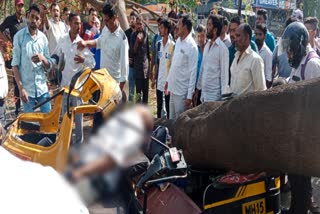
(254, 207)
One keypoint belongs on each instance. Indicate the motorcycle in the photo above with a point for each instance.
(164, 183)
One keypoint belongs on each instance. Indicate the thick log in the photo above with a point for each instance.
(277, 130)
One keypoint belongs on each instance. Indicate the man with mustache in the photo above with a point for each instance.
(54, 27)
(262, 18)
(140, 46)
(213, 79)
(247, 69)
(264, 52)
(77, 60)
(30, 62)
(87, 31)
(234, 24)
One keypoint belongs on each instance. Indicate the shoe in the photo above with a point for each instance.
(314, 208)
(285, 211)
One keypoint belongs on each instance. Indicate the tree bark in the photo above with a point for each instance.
(277, 130)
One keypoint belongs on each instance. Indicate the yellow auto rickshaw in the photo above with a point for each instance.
(40, 137)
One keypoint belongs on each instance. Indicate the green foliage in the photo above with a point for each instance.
(310, 8)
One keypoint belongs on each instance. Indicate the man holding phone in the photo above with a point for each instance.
(30, 62)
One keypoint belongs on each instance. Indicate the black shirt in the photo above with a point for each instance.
(128, 34)
(12, 23)
(141, 56)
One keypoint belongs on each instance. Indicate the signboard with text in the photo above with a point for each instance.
(266, 3)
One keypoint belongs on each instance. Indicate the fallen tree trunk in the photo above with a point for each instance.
(277, 130)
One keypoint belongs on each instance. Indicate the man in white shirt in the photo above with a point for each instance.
(3, 91)
(264, 52)
(247, 69)
(183, 71)
(224, 36)
(165, 48)
(214, 75)
(54, 28)
(65, 17)
(77, 61)
(114, 47)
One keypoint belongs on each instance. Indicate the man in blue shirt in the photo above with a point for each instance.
(30, 61)
(262, 18)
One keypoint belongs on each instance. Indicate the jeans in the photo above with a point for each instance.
(97, 117)
(2, 112)
(131, 84)
(301, 193)
(17, 96)
(78, 118)
(142, 89)
(45, 108)
(162, 104)
(177, 105)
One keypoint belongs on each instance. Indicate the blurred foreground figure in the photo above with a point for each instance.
(31, 188)
(118, 143)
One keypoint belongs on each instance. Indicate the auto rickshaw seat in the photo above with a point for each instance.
(43, 139)
(30, 126)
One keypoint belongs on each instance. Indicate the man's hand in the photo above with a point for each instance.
(188, 103)
(166, 91)
(140, 37)
(195, 97)
(2, 45)
(78, 59)
(130, 61)
(121, 85)
(76, 176)
(24, 95)
(38, 58)
(153, 83)
(81, 45)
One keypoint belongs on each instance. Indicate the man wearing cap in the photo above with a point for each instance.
(13, 23)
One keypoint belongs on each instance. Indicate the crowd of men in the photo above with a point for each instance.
(227, 58)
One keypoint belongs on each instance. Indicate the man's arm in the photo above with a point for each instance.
(124, 62)
(268, 69)
(274, 61)
(46, 59)
(258, 77)
(193, 63)
(312, 69)
(136, 44)
(224, 62)
(271, 42)
(153, 50)
(89, 60)
(89, 44)
(23, 92)
(4, 25)
(99, 166)
(45, 19)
